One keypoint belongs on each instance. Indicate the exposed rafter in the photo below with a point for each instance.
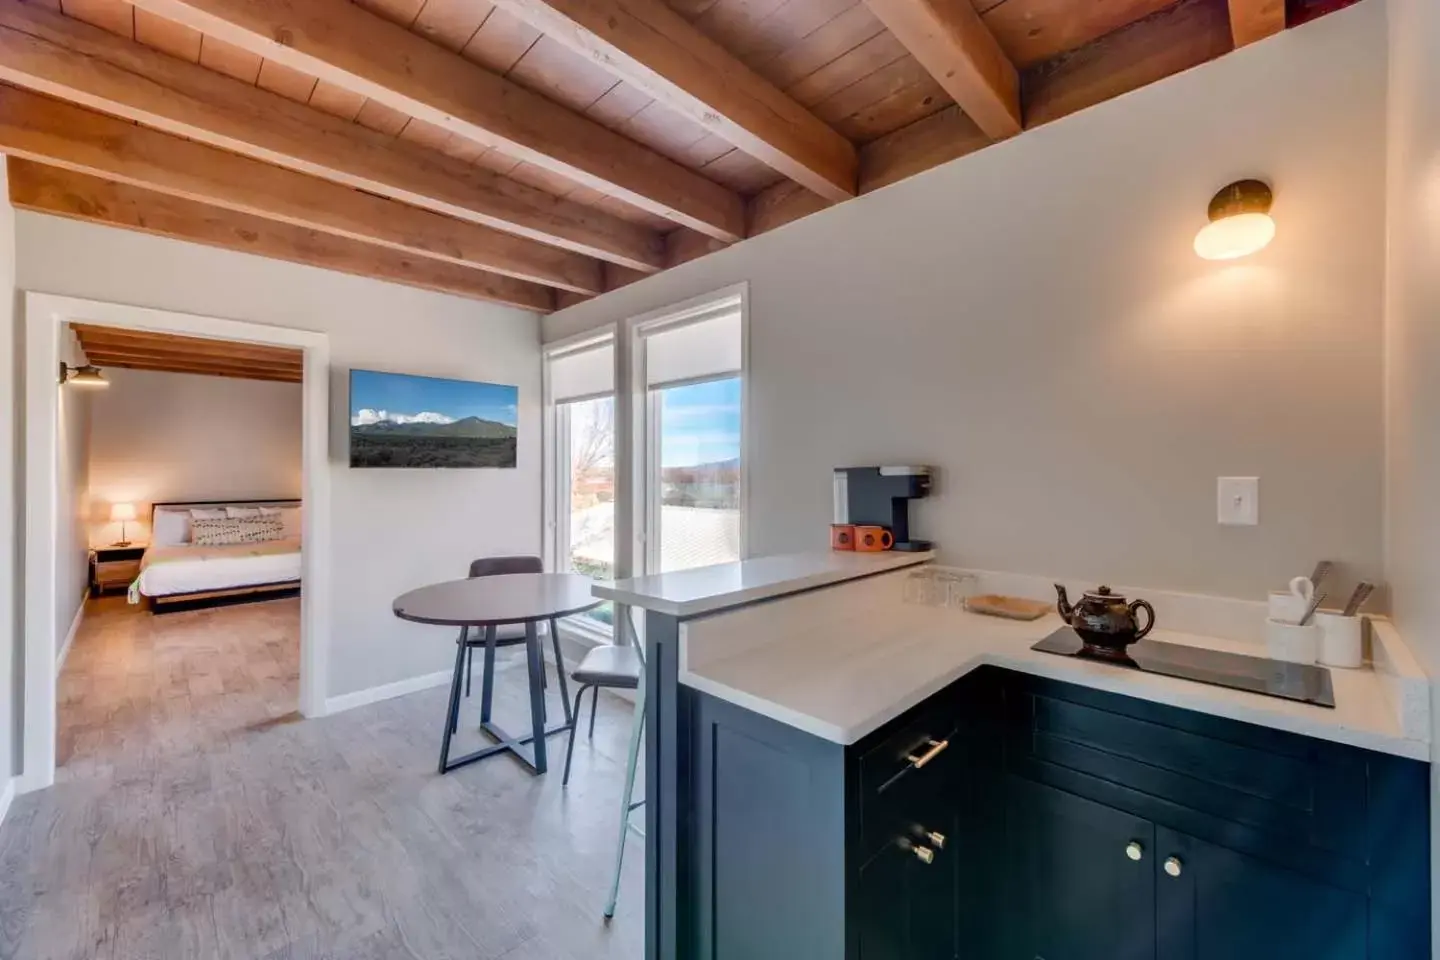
(49, 131)
(650, 45)
(1252, 20)
(953, 44)
(64, 193)
(345, 44)
(66, 58)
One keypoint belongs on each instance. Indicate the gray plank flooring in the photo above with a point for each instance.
(195, 815)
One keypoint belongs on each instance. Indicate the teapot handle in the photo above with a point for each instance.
(1149, 623)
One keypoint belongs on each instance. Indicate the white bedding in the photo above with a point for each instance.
(221, 568)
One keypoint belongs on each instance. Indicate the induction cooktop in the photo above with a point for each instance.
(1273, 678)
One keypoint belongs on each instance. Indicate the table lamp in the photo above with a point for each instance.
(122, 513)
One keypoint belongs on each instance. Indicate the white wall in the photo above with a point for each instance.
(158, 436)
(11, 390)
(393, 529)
(1413, 340)
(1032, 319)
(72, 553)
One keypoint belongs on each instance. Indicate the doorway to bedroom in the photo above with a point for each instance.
(178, 546)
(177, 494)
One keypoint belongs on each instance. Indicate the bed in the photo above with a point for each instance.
(178, 574)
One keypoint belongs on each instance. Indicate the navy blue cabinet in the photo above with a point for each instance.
(1011, 818)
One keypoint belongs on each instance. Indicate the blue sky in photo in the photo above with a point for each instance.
(700, 423)
(407, 395)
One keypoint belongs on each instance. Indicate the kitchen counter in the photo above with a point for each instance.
(839, 664)
(689, 593)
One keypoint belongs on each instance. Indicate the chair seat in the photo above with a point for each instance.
(610, 666)
(506, 635)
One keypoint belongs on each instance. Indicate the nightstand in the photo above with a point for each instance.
(112, 567)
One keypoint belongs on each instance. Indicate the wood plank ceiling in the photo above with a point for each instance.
(539, 152)
(139, 350)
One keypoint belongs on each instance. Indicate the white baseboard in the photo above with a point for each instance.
(7, 794)
(70, 635)
(349, 701)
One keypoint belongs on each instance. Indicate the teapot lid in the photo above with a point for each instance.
(1104, 593)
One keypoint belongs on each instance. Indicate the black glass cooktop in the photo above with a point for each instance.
(1273, 678)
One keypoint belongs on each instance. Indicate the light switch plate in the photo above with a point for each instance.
(1239, 501)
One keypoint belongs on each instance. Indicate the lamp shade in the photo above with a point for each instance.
(122, 512)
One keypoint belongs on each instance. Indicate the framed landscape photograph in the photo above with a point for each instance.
(397, 420)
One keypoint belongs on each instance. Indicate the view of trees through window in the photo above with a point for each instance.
(699, 482)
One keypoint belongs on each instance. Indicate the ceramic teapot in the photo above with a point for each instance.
(1104, 619)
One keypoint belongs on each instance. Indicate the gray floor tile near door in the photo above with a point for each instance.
(196, 816)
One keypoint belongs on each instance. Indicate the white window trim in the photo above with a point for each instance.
(645, 495)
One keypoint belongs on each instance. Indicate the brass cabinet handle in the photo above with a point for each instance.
(1173, 866)
(924, 854)
(937, 839)
(937, 747)
(1133, 850)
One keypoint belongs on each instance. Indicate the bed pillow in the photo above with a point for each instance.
(207, 514)
(227, 531)
(234, 513)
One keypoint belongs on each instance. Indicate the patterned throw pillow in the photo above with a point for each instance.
(233, 530)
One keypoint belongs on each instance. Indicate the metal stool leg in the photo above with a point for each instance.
(570, 747)
(637, 727)
(594, 705)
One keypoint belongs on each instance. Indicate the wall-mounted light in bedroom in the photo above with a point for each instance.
(1240, 222)
(86, 376)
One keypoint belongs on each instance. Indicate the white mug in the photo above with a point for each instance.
(1290, 605)
(1291, 642)
(1341, 640)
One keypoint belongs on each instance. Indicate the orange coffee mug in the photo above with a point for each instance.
(842, 536)
(873, 539)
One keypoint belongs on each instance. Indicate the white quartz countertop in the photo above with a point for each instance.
(841, 663)
(688, 593)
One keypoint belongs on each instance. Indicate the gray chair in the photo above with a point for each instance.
(508, 635)
(611, 666)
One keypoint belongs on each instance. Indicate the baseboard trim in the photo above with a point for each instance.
(386, 691)
(70, 636)
(7, 795)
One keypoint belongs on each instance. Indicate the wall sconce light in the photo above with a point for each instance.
(86, 376)
(1240, 222)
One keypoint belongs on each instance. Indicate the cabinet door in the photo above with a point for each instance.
(1080, 878)
(906, 906)
(1217, 904)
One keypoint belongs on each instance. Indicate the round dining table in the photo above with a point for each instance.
(491, 602)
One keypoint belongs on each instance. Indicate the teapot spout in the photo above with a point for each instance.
(1063, 607)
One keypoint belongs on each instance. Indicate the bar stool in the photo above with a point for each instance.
(610, 666)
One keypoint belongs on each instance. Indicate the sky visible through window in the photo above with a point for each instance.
(700, 423)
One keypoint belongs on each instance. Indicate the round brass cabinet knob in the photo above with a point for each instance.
(1133, 850)
(1173, 866)
(924, 854)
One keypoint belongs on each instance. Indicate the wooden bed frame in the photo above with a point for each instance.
(200, 599)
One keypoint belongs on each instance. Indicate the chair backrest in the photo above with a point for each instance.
(498, 566)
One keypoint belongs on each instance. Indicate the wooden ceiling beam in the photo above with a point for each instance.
(64, 193)
(342, 43)
(649, 45)
(94, 350)
(112, 338)
(202, 370)
(69, 59)
(101, 357)
(1252, 20)
(49, 131)
(955, 47)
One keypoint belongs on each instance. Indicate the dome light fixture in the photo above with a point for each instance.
(1240, 222)
(88, 375)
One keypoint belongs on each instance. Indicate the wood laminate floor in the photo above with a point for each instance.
(196, 816)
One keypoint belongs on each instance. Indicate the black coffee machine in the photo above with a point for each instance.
(880, 496)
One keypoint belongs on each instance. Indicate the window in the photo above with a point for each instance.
(694, 469)
(581, 479)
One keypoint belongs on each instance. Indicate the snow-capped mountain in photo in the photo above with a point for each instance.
(366, 417)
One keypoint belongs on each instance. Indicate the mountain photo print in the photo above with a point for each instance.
(398, 420)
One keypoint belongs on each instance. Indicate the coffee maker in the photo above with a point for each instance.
(881, 496)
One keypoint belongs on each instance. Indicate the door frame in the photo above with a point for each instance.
(45, 314)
